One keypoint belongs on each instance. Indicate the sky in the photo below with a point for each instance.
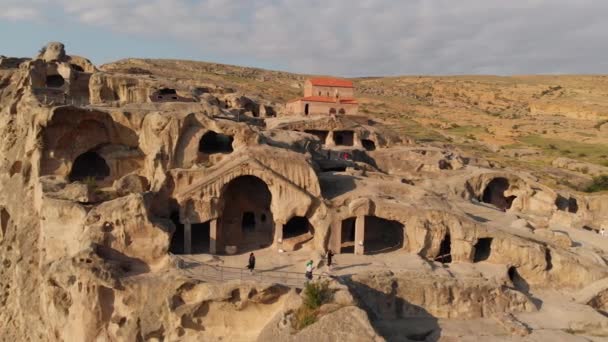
(332, 37)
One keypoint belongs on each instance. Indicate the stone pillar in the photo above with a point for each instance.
(360, 235)
(278, 235)
(187, 238)
(329, 141)
(213, 236)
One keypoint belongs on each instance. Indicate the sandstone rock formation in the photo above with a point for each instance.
(121, 211)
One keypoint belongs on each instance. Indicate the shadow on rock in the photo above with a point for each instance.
(394, 318)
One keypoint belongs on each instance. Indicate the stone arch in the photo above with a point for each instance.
(494, 193)
(246, 219)
(89, 165)
(342, 111)
(332, 111)
(212, 142)
(54, 81)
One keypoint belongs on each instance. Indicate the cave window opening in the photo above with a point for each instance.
(89, 165)
(342, 111)
(548, 260)
(572, 205)
(344, 138)
(54, 81)
(332, 111)
(483, 249)
(369, 145)
(382, 235)
(212, 142)
(347, 242)
(494, 194)
(445, 250)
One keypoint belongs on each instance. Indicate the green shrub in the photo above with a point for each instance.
(316, 294)
(599, 183)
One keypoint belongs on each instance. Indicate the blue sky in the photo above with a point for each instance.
(341, 37)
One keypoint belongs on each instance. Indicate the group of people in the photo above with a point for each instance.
(309, 264)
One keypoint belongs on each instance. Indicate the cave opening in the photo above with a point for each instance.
(445, 250)
(483, 249)
(55, 81)
(494, 193)
(212, 142)
(89, 165)
(347, 242)
(344, 138)
(382, 235)
(368, 145)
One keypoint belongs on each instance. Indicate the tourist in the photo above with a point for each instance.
(251, 264)
(309, 270)
(330, 256)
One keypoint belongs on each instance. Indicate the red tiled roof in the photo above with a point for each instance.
(325, 99)
(331, 82)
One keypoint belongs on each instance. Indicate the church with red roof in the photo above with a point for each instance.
(325, 96)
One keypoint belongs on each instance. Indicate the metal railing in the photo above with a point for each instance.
(215, 273)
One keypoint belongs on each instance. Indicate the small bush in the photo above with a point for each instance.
(316, 294)
(599, 183)
(304, 317)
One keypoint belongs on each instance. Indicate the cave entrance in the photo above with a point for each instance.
(177, 240)
(518, 281)
(347, 236)
(382, 236)
(344, 138)
(306, 109)
(332, 111)
(297, 226)
(55, 81)
(483, 249)
(566, 204)
(445, 250)
(89, 165)
(369, 145)
(200, 236)
(341, 111)
(212, 142)
(296, 232)
(246, 220)
(322, 135)
(494, 194)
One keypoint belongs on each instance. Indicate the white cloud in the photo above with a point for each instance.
(365, 37)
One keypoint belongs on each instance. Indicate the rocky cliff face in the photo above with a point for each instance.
(100, 182)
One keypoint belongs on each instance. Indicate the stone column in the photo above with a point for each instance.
(187, 238)
(360, 235)
(329, 141)
(213, 236)
(278, 235)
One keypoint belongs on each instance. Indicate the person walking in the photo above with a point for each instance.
(330, 256)
(309, 270)
(251, 264)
